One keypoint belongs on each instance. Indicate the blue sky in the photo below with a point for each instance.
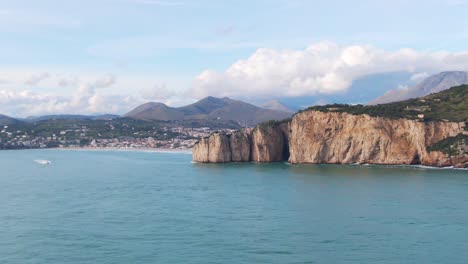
(110, 55)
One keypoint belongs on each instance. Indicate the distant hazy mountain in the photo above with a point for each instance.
(276, 105)
(6, 120)
(50, 117)
(155, 111)
(432, 84)
(361, 91)
(208, 108)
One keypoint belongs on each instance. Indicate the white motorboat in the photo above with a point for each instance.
(43, 162)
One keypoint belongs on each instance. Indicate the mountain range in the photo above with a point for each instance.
(209, 108)
(432, 84)
(6, 120)
(221, 111)
(50, 117)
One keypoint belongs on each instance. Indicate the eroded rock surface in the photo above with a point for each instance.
(318, 137)
(332, 137)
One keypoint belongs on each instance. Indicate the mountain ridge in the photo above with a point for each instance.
(208, 108)
(7, 120)
(276, 105)
(432, 84)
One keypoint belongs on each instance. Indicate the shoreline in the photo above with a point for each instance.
(364, 165)
(189, 151)
(149, 150)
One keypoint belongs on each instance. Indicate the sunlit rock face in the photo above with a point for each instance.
(332, 137)
(318, 137)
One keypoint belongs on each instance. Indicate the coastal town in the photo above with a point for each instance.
(12, 137)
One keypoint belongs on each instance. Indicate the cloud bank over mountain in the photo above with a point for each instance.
(321, 68)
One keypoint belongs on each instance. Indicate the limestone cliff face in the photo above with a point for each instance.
(332, 137)
(318, 137)
(270, 143)
(266, 143)
(214, 149)
(240, 142)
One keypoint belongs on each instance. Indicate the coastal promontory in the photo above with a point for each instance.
(430, 130)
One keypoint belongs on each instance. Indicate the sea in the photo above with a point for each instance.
(149, 207)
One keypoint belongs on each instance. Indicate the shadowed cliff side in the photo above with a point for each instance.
(268, 142)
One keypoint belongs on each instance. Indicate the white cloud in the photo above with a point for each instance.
(402, 87)
(105, 81)
(68, 81)
(322, 68)
(36, 79)
(417, 77)
(86, 99)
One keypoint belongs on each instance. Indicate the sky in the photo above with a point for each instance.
(108, 56)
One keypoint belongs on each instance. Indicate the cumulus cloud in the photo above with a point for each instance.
(86, 99)
(417, 77)
(322, 68)
(68, 82)
(36, 79)
(105, 81)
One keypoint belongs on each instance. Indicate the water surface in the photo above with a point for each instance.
(136, 207)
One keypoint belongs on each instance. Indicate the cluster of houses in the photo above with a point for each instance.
(185, 138)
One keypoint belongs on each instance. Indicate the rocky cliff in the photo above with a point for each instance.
(214, 149)
(333, 137)
(318, 137)
(270, 142)
(430, 130)
(267, 142)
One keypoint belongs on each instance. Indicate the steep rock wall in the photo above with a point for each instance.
(319, 137)
(214, 149)
(332, 137)
(270, 143)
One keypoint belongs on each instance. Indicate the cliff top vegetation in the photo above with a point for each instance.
(448, 105)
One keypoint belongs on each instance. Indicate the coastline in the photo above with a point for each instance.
(189, 152)
(368, 165)
(150, 150)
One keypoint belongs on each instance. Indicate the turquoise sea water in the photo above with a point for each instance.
(136, 207)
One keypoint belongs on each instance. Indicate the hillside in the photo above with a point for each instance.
(432, 84)
(209, 108)
(67, 117)
(6, 120)
(155, 111)
(449, 105)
